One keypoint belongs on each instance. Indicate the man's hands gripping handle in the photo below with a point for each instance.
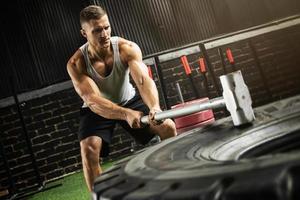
(152, 118)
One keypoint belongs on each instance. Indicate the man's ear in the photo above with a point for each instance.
(83, 33)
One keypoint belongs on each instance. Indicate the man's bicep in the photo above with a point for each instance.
(82, 83)
(132, 56)
(139, 74)
(138, 69)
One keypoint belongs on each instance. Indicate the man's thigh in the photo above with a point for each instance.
(92, 124)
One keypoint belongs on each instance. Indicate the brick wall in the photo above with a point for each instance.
(52, 120)
(52, 124)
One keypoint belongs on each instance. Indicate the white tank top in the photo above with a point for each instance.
(115, 87)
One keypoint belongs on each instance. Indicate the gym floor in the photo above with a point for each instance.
(68, 188)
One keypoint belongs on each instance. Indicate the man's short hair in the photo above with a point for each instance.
(91, 12)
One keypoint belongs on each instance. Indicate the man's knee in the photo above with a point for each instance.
(90, 148)
(166, 130)
(171, 128)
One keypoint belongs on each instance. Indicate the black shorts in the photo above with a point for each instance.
(92, 124)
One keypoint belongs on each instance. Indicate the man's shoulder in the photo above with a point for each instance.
(128, 49)
(76, 60)
(122, 42)
(126, 46)
(77, 56)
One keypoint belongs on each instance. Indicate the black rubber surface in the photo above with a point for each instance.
(218, 162)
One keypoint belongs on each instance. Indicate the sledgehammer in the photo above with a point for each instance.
(236, 98)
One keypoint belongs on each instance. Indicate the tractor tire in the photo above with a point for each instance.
(258, 161)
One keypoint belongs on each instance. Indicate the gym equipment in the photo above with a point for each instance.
(209, 67)
(12, 186)
(220, 52)
(230, 59)
(40, 184)
(27, 139)
(161, 83)
(196, 119)
(260, 161)
(236, 98)
(179, 92)
(202, 68)
(188, 72)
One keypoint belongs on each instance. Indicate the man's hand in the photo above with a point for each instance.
(133, 118)
(152, 113)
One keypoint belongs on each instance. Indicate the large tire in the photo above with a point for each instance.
(258, 161)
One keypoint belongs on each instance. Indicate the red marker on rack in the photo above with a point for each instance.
(188, 72)
(202, 65)
(229, 55)
(230, 58)
(186, 65)
(203, 72)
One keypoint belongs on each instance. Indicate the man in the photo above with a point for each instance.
(100, 72)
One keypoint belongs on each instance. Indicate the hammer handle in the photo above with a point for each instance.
(186, 110)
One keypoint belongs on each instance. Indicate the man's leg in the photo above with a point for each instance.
(165, 130)
(90, 151)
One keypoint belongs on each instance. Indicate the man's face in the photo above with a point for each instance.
(97, 32)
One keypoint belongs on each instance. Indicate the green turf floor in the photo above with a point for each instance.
(71, 187)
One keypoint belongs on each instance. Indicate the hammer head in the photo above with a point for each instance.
(237, 98)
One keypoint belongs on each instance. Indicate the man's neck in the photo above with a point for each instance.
(101, 53)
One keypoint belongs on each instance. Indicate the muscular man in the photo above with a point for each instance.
(100, 71)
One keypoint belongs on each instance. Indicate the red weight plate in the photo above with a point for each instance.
(194, 118)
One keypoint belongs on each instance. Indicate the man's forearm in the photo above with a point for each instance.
(105, 108)
(149, 93)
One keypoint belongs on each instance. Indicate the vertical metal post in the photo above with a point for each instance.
(209, 66)
(179, 92)
(188, 72)
(193, 86)
(203, 71)
(206, 84)
(28, 142)
(159, 73)
(7, 168)
(222, 60)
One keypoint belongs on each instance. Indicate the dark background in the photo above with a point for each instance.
(38, 37)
